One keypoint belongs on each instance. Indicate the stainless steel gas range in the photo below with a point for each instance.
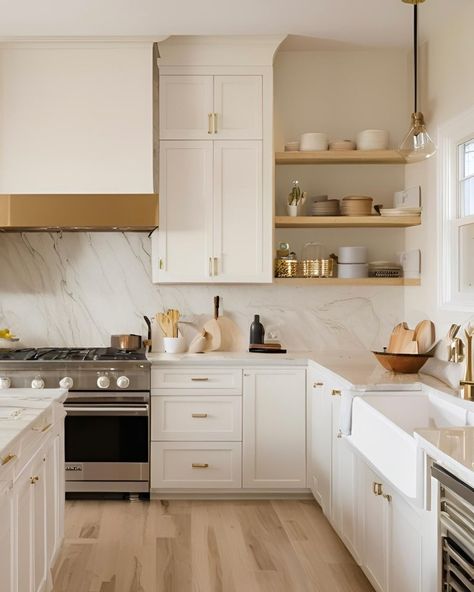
(107, 423)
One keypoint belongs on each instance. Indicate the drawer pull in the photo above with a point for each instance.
(200, 379)
(200, 415)
(6, 459)
(316, 384)
(42, 429)
(336, 393)
(200, 465)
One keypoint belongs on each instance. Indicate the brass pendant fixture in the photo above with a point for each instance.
(417, 144)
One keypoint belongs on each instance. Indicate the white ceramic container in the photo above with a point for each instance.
(314, 141)
(352, 255)
(352, 270)
(372, 139)
(175, 345)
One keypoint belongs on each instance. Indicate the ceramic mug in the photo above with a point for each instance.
(314, 141)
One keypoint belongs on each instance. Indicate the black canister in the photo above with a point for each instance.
(257, 331)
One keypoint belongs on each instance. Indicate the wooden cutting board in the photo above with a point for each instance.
(402, 340)
(425, 336)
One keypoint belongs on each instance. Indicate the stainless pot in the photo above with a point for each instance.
(129, 342)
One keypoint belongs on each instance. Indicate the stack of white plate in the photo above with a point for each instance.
(356, 205)
(400, 212)
(329, 207)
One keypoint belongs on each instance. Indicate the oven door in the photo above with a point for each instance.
(106, 443)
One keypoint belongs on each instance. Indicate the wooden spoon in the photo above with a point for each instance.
(174, 315)
(165, 323)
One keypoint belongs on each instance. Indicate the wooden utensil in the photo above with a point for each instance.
(213, 330)
(174, 315)
(165, 323)
(425, 335)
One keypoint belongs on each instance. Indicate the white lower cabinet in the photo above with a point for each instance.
(321, 442)
(32, 511)
(274, 428)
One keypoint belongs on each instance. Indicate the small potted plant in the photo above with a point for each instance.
(296, 199)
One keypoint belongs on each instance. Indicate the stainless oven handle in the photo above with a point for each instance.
(98, 410)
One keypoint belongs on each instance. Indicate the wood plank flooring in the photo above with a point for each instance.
(203, 546)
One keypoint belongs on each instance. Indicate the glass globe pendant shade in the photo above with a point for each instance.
(417, 144)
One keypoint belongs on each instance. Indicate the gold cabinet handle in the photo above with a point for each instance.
(387, 496)
(200, 466)
(316, 384)
(200, 379)
(43, 429)
(210, 266)
(339, 434)
(34, 479)
(377, 488)
(199, 415)
(161, 264)
(214, 122)
(215, 266)
(210, 123)
(336, 393)
(6, 459)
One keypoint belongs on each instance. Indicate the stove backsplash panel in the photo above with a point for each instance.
(78, 288)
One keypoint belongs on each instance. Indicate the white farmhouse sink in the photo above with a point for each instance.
(383, 428)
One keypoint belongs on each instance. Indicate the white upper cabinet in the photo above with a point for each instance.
(238, 107)
(186, 107)
(200, 107)
(185, 236)
(77, 117)
(238, 212)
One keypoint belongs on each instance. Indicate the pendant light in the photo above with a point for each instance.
(417, 144)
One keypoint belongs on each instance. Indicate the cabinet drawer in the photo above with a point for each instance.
(196, 418)
(229, 381)
(182, 465)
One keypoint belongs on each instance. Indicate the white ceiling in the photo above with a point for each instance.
(352, 22)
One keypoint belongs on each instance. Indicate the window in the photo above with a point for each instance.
(456, 194)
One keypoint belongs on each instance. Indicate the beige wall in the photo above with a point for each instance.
(341, 92)
(447, 89)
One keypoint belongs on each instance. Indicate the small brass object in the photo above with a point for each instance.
(200, 465)
(336, 393)
(6, 459)
(199, 415)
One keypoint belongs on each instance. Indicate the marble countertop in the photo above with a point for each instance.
(19, 408)
(451, 447)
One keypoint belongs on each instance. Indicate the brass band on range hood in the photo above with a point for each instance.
(76, 212)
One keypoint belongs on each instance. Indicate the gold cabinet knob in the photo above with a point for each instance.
(34, 479)
(6, 459)
(316, 384)
(336, 393)
(377, 488)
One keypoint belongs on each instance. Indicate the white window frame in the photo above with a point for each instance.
(450, 135)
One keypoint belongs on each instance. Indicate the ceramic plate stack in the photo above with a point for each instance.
(356, 205)
(329, 207)
(400, 212)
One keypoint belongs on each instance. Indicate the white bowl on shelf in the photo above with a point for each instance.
(314, 141)
(352, 270)
(372, 139)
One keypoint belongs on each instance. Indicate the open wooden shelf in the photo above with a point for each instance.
(346, 221)
(341, 157)
(346, 282)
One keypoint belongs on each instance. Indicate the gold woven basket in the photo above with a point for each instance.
(285, 268)
(314, 268)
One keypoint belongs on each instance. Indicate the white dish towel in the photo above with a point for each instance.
(345, 411)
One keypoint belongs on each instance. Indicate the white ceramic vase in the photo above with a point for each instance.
(292, 210)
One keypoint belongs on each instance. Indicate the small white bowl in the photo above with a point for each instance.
(352, 255)
(372, 139)
(292, 146)
(314, 141)
(175, 345)
(352, 270)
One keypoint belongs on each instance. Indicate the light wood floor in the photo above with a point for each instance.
(203, 546)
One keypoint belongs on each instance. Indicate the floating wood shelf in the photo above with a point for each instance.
(341, 157)
(346, 221)
(346, 282)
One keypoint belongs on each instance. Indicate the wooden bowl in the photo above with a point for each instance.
(402, 363)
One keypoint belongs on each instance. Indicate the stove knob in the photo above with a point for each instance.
(123, 382)
(5, 382)
(103, 382)
(66, 382)
(37, 382)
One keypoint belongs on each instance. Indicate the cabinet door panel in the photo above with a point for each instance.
(274, 428)
(6, 539)
(238, 107)
(185, 105)
(239, 213)
(23, 520)
(39, 524)
(321, 435)
(185, 233)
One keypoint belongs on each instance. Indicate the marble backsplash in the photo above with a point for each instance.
(76, 289)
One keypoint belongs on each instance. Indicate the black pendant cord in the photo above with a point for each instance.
(415, 55)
